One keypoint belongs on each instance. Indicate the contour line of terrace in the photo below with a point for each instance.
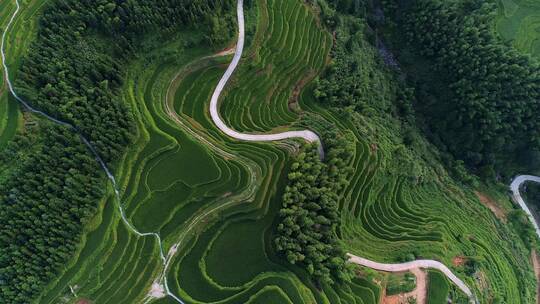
(162, 290)
(309, 136)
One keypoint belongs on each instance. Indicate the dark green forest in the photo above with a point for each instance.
(477, 97)
(45, 202)
(73, 71)
(309, 218)
(532, 194)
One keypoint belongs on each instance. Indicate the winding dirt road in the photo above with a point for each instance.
(414, 265)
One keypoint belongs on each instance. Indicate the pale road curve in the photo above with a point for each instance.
(516, 196)
(309, 136)
(431, 264)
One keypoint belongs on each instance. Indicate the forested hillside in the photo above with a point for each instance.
(479, 97)
(400, 194)
(73, 72)
(309, 217)
(75, 67)
(46, 200)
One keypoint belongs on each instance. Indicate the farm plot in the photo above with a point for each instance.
(289, 49)
(167, 178)
(173, 175)
(18, 38)
(519, 23)
(231, 261)
(438, 288)
(187, 181)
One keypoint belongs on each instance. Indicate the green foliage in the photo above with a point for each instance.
(483, 102)
(531, 193)
(521, 223)
(74, 71)
(309, 217)
(401, 200)
(347, 82)
(45, 204)
(518, 23)
(74, 76)
(438, 288)
(400, 283)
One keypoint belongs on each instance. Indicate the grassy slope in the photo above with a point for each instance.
(402, 202)
(175, 173)
(387, 215)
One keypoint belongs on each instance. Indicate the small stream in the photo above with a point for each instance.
(90, 147)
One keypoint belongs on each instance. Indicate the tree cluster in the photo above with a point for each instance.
(309, 217)
(75, 67)
(531, 193)
(350, 81)
(486, 107)
(74, 71)
(44, 204)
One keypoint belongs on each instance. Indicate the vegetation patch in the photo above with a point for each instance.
(400, 283)
(438, 288)
(309, 218)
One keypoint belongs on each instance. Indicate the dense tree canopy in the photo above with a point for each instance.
(486, 106)
(476, 97)
(74, 75)
(309, 217)
(44, 204)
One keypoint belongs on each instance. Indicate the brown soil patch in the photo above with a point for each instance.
(373, 148)
(229, 50)
(536, 266)
(83, 301)
(419, 293)
(492, 205)
(293, 100)
(459, 261)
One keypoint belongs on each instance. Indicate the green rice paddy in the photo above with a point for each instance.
(18, 39)
(218, 197)
(438, 288)
(519, 23)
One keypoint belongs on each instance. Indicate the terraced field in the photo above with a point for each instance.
(188, 182)
(519, 23)
(213, 200)
(389, 213)
(288, 51)
(19, 37)
(438, 288)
